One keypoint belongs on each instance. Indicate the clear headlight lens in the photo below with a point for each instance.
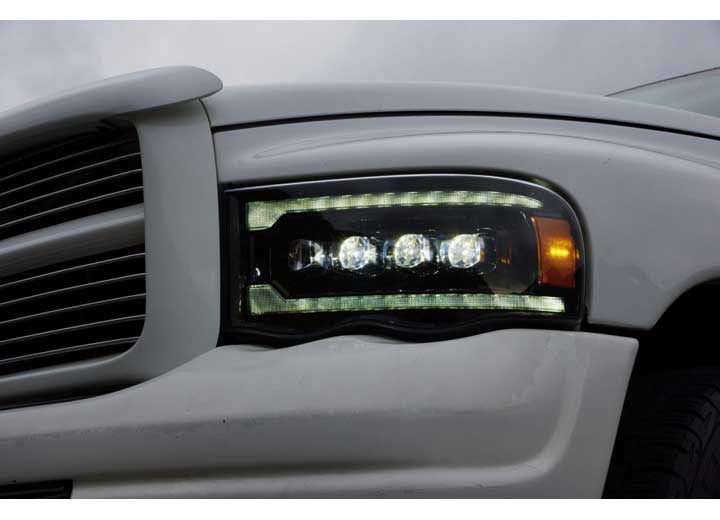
(398, 254)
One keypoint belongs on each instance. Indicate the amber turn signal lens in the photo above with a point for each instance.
(557, 253)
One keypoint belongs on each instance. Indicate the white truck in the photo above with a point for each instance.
(366, 289)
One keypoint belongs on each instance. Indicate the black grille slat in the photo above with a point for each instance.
(51, 152)
(82, 306)
(88, 307)
(75, 189)
(107, 347)
(72, 288)
(87, 156)
(76, 174)
(24, 278)
(80, 177)
(74, 328)
(109, 332)
(123, 195)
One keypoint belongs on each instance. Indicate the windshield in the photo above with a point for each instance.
(698, 92)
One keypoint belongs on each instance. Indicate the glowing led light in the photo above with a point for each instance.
(264, 214)
(411, 250)
(356, 253)
(305, 253)
(264, 299)
(465, 251)
(559, 252)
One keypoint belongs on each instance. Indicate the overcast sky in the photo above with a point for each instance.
(39, 58)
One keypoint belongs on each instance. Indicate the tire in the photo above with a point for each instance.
(668, 443)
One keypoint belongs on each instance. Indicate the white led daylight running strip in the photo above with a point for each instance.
(264, 214)
(264, 299)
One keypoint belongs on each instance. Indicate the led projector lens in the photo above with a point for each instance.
(464, 251)
(412, 255)
(411, 250)
(356, 253)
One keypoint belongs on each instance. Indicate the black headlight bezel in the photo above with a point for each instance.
(236, 329)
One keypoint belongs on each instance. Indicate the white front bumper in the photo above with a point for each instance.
(513, 413)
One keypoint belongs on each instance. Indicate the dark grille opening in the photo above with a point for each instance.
(88, 307)
(82, 176)
(52, 489)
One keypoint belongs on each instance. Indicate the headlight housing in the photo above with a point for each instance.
(422, 256)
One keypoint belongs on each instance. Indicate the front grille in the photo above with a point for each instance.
(83, 176)
(89, 307)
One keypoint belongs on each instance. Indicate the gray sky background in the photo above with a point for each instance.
(39, 58)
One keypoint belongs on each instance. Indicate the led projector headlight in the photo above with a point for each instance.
(415, 255)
